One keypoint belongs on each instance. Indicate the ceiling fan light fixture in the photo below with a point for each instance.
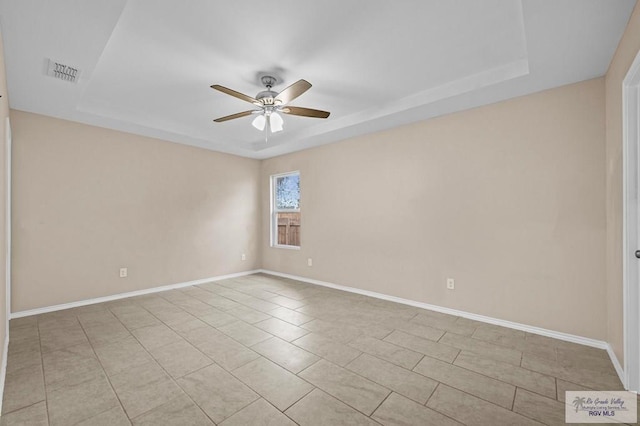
(259, 122)
(276, 122)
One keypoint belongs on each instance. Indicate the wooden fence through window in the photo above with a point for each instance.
(289, 229)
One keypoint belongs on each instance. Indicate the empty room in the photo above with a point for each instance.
(319, 213)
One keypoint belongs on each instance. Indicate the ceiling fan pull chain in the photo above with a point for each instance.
(266, 130)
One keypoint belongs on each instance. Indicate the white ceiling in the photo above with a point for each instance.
(146, 65)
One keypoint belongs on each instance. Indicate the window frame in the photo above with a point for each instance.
(273, 220)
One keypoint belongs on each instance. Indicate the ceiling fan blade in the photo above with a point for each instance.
(305, 112)
(238, 95)
(293, 91)
(232, 116)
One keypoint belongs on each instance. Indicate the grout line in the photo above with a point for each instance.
(526, 415)
(418, 363)
(432, 393)
(477, 397)
(387, 335)
(289, 417)
(29, 406)
(439, 412)
(382, 402)
(44, 380)
(297, 400)
(521, 358)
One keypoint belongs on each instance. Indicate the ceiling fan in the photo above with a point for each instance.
(271, 103)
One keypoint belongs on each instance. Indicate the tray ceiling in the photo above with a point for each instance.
(146, 65)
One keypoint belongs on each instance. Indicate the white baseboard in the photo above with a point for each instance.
(79, 303)
(482, 318)
(617, 366)
(3, 370)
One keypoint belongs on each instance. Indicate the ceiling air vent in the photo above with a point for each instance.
(61, 71)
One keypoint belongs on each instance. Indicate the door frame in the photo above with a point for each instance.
(8, 153)
(630, 220)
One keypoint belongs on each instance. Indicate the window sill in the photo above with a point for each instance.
(285, 247)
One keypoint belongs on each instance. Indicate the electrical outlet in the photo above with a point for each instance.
(451, 284)
(243, 257)
(123, 272)
(309, 262)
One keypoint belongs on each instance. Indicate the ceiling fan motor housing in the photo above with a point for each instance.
(267, 97)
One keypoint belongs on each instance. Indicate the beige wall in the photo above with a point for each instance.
(508, 199)
(4, 113)
(87, 201)
(624, 56)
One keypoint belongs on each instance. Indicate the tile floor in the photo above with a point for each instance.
(265, 350)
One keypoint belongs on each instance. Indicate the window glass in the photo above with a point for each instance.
(288, 192)
(285, 217)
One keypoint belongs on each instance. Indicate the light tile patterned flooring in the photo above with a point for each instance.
(266, 350)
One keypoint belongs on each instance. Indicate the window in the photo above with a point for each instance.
(285, 210)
